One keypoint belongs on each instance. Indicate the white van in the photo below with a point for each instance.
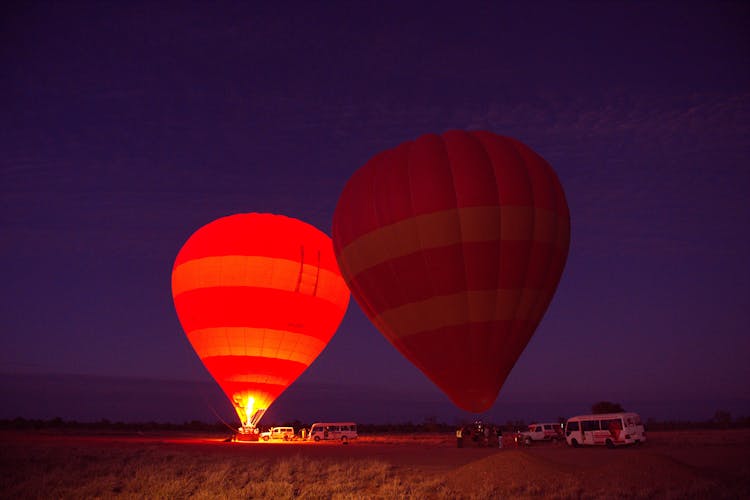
(609, 429)
(342, 431)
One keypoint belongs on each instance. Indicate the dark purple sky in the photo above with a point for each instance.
(127, 126)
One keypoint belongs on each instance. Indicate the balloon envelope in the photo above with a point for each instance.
(453, 245)
(259, 297)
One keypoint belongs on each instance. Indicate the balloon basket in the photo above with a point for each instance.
(247, 434)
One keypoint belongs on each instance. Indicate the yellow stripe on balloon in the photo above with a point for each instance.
(450, 227)
(460, 309)
(260, 379)
(258, 271)
(260, 342)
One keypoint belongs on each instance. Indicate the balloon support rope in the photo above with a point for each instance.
(216, 414)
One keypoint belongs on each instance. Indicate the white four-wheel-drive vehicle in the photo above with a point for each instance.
(547, 431)
(285, 433)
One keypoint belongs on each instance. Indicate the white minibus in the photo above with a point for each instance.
(342, 431)
(609, 429)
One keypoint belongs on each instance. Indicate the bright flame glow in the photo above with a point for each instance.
(249, 409)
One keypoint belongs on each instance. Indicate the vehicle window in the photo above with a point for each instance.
(573, 426)
(610, 424)
(538, 428)
(590, 425)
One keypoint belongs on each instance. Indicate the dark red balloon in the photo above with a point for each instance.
(453, 245)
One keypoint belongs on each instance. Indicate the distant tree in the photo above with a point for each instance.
(722, 418)
(606, 407)
(430, 424)
(514, 425)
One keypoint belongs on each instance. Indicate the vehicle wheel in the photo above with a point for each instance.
(610, 444)
(265, 438)
(286, 438)
(574, 443)
(344, 440)
(316, 438)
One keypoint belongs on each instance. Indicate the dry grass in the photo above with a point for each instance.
(43, 467)
(523, 474)
(152, 473)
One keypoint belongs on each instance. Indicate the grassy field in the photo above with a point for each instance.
(153, 472)
(713, 464)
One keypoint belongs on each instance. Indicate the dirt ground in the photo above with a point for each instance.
(670, 464)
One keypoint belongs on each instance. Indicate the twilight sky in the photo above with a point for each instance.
(127, 126)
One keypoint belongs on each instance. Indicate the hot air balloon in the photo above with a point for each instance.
(453, 245)
(259, 297)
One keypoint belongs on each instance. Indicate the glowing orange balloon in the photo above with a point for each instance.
(453, 245)
(259, 297)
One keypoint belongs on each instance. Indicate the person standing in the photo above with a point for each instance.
(459, 438)
(499, 437)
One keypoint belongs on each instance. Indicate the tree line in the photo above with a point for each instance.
(722, 420)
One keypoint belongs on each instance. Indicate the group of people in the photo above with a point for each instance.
(479, 435)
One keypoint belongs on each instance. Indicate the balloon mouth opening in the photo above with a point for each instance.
(473, 402)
